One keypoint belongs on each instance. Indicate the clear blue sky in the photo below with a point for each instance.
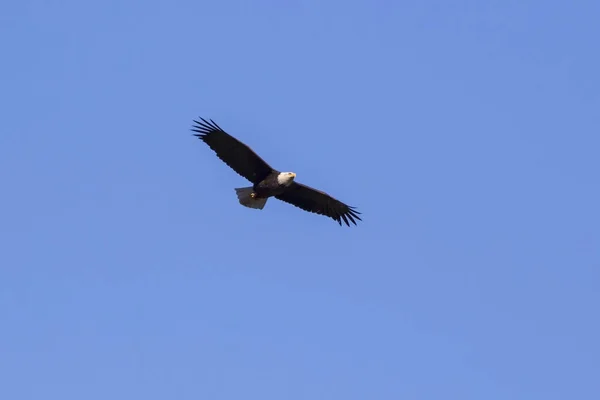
(466, 132)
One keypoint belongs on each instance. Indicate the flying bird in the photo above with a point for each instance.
(267, 181)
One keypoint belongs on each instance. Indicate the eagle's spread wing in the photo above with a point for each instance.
(318, 202)
(234, 153)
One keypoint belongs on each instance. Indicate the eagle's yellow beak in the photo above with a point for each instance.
(293, 174)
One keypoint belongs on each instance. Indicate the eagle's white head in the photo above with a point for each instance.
(286, 178)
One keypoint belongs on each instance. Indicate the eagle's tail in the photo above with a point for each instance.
(245, 198)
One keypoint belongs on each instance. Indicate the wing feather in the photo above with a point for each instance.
(318, 202)
(237, 155)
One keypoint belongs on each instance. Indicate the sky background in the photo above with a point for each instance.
(466, 132)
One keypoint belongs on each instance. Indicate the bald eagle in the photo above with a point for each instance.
(266, 181)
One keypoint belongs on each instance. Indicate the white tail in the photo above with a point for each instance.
(245, 199)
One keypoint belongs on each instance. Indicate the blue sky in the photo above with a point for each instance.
(467, 133)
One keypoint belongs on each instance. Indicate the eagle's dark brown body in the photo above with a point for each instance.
(269, 187)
